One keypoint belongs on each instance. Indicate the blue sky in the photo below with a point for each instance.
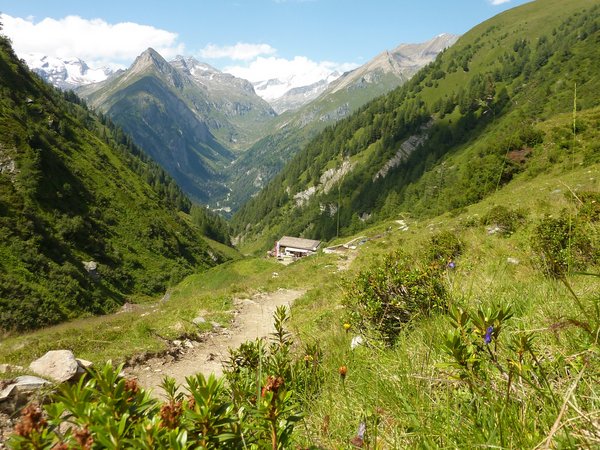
(255, 35)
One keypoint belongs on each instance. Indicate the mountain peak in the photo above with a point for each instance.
(150, 61)
(149, 57)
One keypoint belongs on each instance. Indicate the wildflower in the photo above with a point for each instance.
(170, 413)
(132, 388)
(346, 326)
(358, 441)
(488, 334)
(451, 265)
(84, 438)
(32, 420)
(343, 370)
(273, 384)
(308, 360)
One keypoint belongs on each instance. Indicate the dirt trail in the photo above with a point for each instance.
(254, 319)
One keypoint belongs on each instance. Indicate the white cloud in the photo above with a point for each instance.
(300, 68)
(94, 40)
(498, 2)
(240, 51)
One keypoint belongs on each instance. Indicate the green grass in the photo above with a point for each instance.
(404, 393)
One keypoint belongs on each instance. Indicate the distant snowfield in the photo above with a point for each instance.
(67, 72)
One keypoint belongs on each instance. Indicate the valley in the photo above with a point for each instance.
(464, 171)
(211, 132)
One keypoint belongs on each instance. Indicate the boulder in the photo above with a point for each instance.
(59, 365)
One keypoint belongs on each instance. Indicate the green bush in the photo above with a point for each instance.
(393, 293)
(562, 245)
(506, 219)
(443, 248)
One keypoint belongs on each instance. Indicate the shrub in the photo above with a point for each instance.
(254, 406)
(562, 245)
(393, 293)
(506, 219)
(443, 247)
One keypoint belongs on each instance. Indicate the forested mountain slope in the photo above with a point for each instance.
(293, 130)
(460, 129)
(86, 219)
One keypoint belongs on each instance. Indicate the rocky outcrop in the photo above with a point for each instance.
(406, 148)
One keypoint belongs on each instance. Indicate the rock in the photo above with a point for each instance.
(187, 343)
(198, 320)
(514, 261)
(356, 341)
(216, 325)
(177, 343)
(7, 392)
(493, 230)
(83, 366)
(29, 383)
(59, 365)
(92, 269)
(18, 393)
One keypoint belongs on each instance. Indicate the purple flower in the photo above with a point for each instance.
(451, 265)
(488, 334)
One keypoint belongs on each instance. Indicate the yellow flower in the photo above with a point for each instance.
(346, 326)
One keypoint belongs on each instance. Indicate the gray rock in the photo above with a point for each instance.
(83, 363)
(59, 365)
(8, 392)
(198, 320)
(83, 366)
(29, 383)
(18, 393)
(216, 325)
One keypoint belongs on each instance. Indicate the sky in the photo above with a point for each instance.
(254, 39)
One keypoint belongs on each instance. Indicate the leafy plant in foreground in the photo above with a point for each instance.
(256, 405)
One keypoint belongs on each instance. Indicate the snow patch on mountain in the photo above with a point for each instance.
(66, 73)
(275, 88)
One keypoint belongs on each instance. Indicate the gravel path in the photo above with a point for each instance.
(254, 319)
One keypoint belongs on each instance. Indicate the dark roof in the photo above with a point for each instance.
(306, 244)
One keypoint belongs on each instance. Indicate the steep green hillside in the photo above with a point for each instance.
(460, 129)
(253, 169)
(86, 220)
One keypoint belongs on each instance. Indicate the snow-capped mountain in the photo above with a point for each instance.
(299, 96)
(275, 88)
(68, 73)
